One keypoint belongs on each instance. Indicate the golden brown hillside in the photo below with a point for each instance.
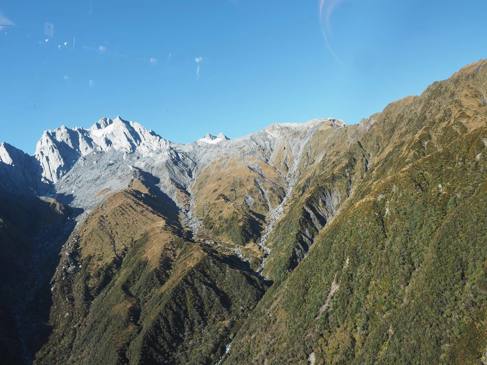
(128, 279)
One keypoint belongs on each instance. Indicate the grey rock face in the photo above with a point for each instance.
(19, 172)
(83, 166)
(57, 151)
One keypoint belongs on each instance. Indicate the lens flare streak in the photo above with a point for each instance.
(326, 10)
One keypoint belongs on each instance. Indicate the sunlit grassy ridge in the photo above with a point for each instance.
(398, 275)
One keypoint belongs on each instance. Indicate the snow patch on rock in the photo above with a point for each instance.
(5, 155)
(212, 139)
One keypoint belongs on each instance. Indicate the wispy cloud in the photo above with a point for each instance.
(198, 60)
(5, 22)
(327, 8)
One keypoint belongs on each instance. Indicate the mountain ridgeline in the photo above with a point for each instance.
(314, 243)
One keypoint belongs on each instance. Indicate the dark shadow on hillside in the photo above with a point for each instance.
(235, 262)
(24, 179)
(158, 200)
(32, 233)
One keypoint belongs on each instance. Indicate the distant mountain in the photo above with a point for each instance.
(58, 150)
(308, 243)
(211, 139)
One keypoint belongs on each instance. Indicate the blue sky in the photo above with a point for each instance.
(187, 67)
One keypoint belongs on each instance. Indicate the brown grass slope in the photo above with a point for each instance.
(233, 198)
(130, 289)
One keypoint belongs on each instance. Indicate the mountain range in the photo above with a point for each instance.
(312, 243)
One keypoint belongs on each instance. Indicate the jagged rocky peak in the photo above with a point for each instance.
(9, 154)
(332, 122)
(337, 123)
(14, 157)
(19, 172)
(126, 136)
(58, 150)
(212, 139)
(102, 123)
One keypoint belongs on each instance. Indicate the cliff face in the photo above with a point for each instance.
(300, 244)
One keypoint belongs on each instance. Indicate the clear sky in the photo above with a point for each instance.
(187, 67)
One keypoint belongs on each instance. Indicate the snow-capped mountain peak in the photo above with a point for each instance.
(59, 149)
(212, 139)
(102, 123)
